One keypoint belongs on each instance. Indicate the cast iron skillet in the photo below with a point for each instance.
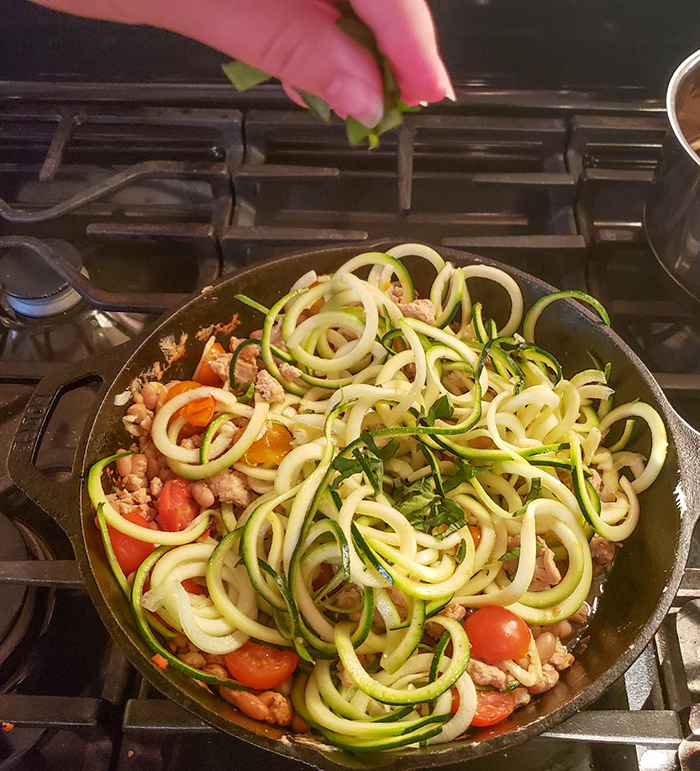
(638, 593)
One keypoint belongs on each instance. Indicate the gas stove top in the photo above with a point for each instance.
(117, 203)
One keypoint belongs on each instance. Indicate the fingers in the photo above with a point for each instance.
(406, 35)
(297, 41)
(293, 95)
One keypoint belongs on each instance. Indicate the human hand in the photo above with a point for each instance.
(299, 42)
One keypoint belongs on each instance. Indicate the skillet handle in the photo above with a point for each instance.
(59, 499)
(687, 441)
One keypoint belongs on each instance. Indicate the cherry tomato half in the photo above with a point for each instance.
(475, 530)
(180, 388)
(259, 666)
(492, 707)
(325, 573)
(191, 586)
(199, 412)
(176, 506)
(130, 552)
(272, 446)
(496, 633)
(204, 374)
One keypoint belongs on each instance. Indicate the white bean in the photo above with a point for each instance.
(123, 464)
(203, 495)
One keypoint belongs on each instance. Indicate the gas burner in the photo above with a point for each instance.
(25, 612)
(32, 287)
(12, 597)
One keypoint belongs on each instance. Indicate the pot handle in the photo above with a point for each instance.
(59, 499)
(687, 441)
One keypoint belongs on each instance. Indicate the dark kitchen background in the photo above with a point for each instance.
(510, 43)
(544, 163)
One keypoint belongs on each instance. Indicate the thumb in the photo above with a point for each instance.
(296, 41)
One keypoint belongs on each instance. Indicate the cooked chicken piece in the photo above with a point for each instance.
(561, 658)
(267, 388)
(458, 612)
(602, 553)
(423, 310)
(230, 486)
(487, 674)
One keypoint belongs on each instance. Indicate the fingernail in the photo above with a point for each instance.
(350, 95)
(450, 92)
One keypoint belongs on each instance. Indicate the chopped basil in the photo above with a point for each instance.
(514, 553)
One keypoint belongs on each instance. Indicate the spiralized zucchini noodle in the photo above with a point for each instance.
(435, 464)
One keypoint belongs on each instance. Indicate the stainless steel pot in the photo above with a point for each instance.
(672, 212)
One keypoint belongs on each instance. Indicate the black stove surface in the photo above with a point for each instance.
(159, 199)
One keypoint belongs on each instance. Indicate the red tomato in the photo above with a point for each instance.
(204, 374)
(130, 551)
(496, 633)
(176, 506)
(325, 573)
(259, 666)
(191, 586)
(492, 707)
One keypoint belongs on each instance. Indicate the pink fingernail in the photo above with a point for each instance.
(349, 94)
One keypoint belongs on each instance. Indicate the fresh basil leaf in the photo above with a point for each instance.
(464, 473)
(345, 467)
(534, 493)
(439, 410)
(606, 372)
(461, 552)
(445, 511)
(401, 106)
(372, 467)
(514, 553)
(434, 467)
(317, 106)
(385, 453)
(417, 497)
(243, 76)
(356, 132)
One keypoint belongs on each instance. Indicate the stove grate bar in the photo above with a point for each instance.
(658, 728)
(65, 712)
(690, 585)
(136, 173)
(58, 574)
(59, 142)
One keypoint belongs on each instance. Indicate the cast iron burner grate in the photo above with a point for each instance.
(159, 200)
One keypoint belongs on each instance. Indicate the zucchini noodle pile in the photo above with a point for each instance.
(426, 441)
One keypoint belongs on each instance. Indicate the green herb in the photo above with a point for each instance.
(247, 392)
(369, 461)
(425, 503)
(461, 552)
(316, 105)
(514, 553)
(439, 410)
(534, 493)
(243, 77)
(464, 473)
